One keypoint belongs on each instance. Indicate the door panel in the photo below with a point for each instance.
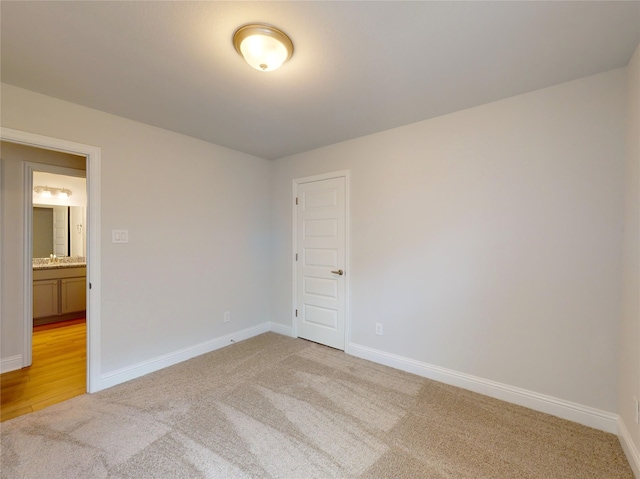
(45, 298)
(321, 248)
(321, 199)
(320, 228)
(60, 227)
(321, 316)
(322, 287)
(73, 293)
(320, 257)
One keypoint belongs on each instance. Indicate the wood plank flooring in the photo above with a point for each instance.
(58, 371)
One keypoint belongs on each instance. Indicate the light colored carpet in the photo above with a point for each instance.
(277, 407)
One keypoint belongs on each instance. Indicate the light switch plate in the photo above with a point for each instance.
(119, 236)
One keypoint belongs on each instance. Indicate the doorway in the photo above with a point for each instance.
(58, 239)
(92, 162)
(320, 285)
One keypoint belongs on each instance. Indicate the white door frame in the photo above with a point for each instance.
(92, 153)
(294, 270)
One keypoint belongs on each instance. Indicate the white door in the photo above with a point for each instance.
(321, 261)
(60, 227)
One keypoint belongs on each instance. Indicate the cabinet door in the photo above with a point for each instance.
(45, 298)
(73, 292)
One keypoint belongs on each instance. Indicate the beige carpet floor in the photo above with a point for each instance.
(277, 407)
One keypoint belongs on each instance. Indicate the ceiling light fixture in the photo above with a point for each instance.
(264, 47)
(50, 192)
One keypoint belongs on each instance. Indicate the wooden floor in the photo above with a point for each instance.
(58, 371)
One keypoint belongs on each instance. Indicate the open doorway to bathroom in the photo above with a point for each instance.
(54, 238)
(58, 247)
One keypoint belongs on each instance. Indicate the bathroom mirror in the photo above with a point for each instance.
(58, 230)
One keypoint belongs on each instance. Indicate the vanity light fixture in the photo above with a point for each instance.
(50, 192)
(264, 47)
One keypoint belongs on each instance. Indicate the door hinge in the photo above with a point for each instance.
(296, 200)
(296, 313)
(89, 285)
(296, 256)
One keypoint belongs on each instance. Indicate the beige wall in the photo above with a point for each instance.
(16, 152)
(486, 241)
(11, 255)
(630, 325)
(199, 231)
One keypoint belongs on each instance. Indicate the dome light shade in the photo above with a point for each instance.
(263, 47)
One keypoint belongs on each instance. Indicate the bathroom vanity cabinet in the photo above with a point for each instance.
(59, 294)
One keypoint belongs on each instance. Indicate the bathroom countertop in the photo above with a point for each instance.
(59, 265)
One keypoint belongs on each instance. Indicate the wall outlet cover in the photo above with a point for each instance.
(119, 236)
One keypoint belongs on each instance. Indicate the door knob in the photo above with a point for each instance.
(340, 272)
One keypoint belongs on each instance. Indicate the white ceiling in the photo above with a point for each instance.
(358, 67)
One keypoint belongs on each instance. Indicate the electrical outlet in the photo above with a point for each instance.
(637, 404)
(227, 316)
(379, 329)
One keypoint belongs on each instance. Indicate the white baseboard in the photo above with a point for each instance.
(588, 416)
(11, 363)
(281, 329)
(630, 449)
(122, 375)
